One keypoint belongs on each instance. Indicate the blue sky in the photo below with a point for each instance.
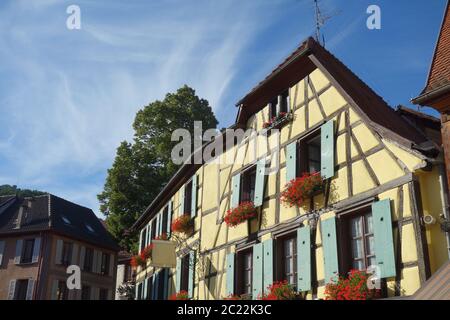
(68, 97)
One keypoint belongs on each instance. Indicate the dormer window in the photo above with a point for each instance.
(65, 219)
(89, 227)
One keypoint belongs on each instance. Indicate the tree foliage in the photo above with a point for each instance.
(143, 167)
(6, 190)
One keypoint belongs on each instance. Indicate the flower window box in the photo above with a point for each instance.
(300, 189)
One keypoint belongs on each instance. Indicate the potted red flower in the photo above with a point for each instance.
(137, 261)
(353, 287)
(244, 211)
(280, 290)
(146, 253)
(233, 297)
(299, 189)
(183, 224)
(182, 295)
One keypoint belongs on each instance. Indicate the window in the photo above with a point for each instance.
(21, 290)
(89, 227)
(149, 288)
(105, 264)
(289, 260)
(273, 108)
(140, 291)
(188, 198)
(153, 226)
(66, 256)
(185, 273)
(308, 155)
(244, 272)
(65, 219)
(27, 251)
(284, 107)
(103, 294)
(144, 238)
(165, 217)
(85, 293)
(63, 291)
(88, 259)
(248, 185)
(160, 293)
(362, 244)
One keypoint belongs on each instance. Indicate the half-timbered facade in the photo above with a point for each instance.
(380, 181)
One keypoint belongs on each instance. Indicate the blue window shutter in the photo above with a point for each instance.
(194, 197)
(257, 270)
(327, 149)
(383, 240)
(236, 187)
(181, 207)
(259, 182)
(149, 233)
(304, 259)
(160, 223)
(329, 244)
(169, 217)
(230, 274)
(136, 291)
(178, 276)
(166, 284)
(191, 274)
(268, 263)
(2, 250)
(291, 161)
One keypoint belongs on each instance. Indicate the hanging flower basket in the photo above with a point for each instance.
(182, 295)
(245, 211)
(279, 290)
(354, 287)
(300, 189)
(183, 224)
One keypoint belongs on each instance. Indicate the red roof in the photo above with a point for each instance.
(439, 74)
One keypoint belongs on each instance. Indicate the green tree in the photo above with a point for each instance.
(143, 167)
(6, 190)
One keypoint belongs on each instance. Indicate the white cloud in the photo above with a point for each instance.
(71, 96)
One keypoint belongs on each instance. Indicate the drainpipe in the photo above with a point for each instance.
(445, 202)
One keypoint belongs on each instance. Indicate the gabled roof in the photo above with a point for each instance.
(307, 57)
(51, 213)
(310, 55)
(438, 81)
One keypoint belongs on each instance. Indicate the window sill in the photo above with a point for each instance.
(279, 122)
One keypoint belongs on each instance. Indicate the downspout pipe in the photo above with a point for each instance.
(445, 201)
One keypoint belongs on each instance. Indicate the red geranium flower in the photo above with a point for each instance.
(299, 189)
(183, 224)
(182, 295)
(243, 212)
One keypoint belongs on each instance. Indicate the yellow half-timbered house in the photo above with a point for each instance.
(382, 176)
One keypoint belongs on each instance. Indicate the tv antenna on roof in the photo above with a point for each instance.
(320, 21)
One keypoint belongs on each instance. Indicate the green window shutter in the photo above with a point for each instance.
(158, 224)
(194, 196)
(236, 187)
(144, 293)
(268, 263)
(156, 286)
(178, 276)
(330, 253)
(230, 274)
(383, 240)
(291, 161)
(304, 259)
(140, 240)
(327, 149)
(181, 207)
(169, 217)
(259, 182)
(257, 270)
(191, 274)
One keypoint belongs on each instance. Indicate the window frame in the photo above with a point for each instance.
(88, 262)
(26, 256)
(248, 184)
(66, 253)
(302, 153)
(285, 102)
(242, 288)
(184, 283)
(188, 198)
(273, 108)
(104, 265)
(21, 289)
